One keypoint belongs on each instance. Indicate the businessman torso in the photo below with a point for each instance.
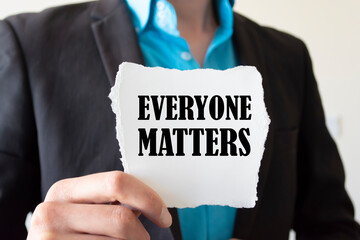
(56, 71)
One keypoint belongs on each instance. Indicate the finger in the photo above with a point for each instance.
(108, 220)
(111, 187)
(136, 212)
(68, 236)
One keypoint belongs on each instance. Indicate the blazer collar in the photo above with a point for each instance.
(115, 36)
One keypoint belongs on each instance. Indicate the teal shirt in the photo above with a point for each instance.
(161, 44)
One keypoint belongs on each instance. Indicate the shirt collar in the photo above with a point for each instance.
(163, 15)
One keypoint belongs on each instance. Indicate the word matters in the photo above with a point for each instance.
(217, 141)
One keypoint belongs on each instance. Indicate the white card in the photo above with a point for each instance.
(196, 137)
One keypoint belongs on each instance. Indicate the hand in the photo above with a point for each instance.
(76, 208)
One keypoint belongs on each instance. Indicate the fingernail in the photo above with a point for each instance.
(165, 217)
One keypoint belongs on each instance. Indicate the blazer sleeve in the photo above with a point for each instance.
(19, 161)
(323, 208)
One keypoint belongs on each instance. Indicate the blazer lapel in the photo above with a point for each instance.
(115, 36)
(117, 42)
(250, 53)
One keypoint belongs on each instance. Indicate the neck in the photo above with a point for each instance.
(197, 23)
(196, 15)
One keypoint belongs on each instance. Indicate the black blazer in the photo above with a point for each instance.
(56, 70)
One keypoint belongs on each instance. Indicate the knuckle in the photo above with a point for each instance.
(115, 184)
(43, 215)
(123, 219)
(47, 236)
(50, 195)
(41, 235)
(55, 190)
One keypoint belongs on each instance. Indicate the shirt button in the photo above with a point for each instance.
(161, 14)
(186, 56)
(160, 5)
(162, 23)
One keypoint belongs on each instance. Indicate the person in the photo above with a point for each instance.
(57, 132)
